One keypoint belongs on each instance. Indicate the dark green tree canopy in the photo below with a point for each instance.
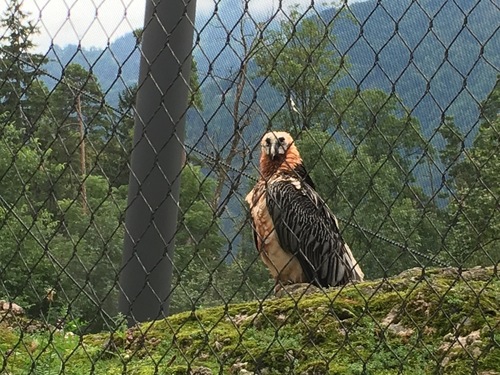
(19, 66)
(300, 62)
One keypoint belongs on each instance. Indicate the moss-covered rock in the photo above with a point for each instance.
(433, 321)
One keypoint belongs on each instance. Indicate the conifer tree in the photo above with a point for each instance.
(19, 67)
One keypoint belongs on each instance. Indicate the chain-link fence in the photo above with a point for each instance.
(128, 155)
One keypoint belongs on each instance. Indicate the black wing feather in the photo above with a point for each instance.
(301, 171)
(306, 227)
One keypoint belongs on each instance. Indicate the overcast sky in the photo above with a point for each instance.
(95, 23)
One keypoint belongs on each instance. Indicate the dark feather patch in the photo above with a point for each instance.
(306, 227)
(301, 172)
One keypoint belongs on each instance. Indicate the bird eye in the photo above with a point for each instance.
(268, 141)
(281, 139)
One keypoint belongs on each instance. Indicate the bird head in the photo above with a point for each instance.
(274, 144)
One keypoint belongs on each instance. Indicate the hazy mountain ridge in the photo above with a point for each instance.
(422, 51)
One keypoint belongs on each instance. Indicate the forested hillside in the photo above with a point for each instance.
(425, 52)
(366, 123)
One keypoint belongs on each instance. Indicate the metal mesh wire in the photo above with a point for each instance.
(394, 108)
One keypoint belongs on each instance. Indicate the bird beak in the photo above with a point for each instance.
(269, 150)
(274, 150)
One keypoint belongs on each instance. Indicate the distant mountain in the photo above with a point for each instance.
(116, 66)
(439, 56)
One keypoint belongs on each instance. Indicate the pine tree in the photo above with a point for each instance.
(76, 111)
(299, 61)
(19, 67)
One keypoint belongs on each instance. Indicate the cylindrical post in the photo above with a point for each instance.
(156, 162)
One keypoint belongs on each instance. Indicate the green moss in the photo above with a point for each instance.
(490, 357)
(399, 325)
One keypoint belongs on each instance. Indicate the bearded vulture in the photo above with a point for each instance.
(296, 234)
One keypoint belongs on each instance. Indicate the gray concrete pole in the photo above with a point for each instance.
(157, 157)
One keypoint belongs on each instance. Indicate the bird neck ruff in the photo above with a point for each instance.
(283, 163)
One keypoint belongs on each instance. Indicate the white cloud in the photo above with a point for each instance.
(89, 22)
(95, 23)
(258, 9)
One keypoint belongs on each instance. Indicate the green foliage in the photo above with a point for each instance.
(195, 98)
(56, 246)
(197, 261)
(75, 103)
(475, 175)
(380, 124)
(491, 106)
(300, 63)
(116, 144)
(90, 250)
(247, 278)
(20, 89)
(25, 264)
